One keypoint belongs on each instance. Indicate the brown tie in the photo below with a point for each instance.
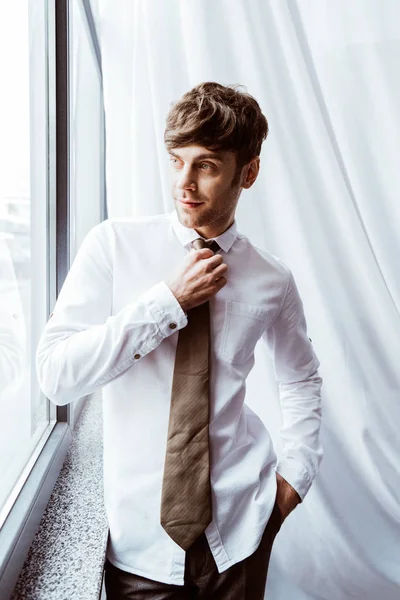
(186, 492)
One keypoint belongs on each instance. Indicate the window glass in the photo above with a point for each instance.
(86, 131)
(25, 416)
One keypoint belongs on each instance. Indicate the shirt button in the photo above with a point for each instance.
(172, 325)
(137, 356)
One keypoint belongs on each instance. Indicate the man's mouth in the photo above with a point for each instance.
(189, 203)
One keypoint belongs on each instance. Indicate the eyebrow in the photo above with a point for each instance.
(202, 156)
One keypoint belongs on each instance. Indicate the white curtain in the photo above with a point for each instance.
(326, 74)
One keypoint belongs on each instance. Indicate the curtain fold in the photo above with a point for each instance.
(327, 203)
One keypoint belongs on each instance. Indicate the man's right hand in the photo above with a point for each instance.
(200, 276)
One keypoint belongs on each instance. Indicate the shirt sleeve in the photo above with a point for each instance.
(296, 371)
(83, 346)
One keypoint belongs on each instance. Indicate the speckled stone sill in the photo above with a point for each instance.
(67, 555)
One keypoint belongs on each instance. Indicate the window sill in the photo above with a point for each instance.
(68, 551)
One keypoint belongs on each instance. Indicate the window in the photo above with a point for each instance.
(87, 191)
(52, 191)
(26, 417)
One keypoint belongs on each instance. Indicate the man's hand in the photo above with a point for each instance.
(198, 278)
(286, 497)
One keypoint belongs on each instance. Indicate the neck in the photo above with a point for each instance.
(209, 232)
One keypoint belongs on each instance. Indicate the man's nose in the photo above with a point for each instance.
(186, 179)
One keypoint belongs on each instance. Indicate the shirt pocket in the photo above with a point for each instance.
(242, 328)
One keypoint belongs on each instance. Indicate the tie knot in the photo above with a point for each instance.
(200, 243)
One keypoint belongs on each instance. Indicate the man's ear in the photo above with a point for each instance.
(251, 171)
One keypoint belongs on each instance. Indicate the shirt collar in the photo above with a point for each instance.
(186, 236)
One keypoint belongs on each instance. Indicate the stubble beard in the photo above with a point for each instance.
(203, 218)
(210, 215)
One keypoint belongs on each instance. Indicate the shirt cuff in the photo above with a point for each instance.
(165, 308)
(296, 474)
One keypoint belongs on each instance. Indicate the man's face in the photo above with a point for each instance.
(203, 189)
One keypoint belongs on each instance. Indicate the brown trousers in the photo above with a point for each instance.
(246, 580)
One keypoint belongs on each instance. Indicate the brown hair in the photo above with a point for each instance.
(220, 118)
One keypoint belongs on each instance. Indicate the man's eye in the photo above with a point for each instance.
(203, 166)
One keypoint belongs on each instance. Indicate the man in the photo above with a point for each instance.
(167, 326)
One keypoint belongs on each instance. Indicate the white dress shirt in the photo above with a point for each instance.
(115, 325)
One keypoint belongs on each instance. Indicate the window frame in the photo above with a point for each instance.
(21, 523)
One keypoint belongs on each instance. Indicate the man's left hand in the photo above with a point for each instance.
(286, 497)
